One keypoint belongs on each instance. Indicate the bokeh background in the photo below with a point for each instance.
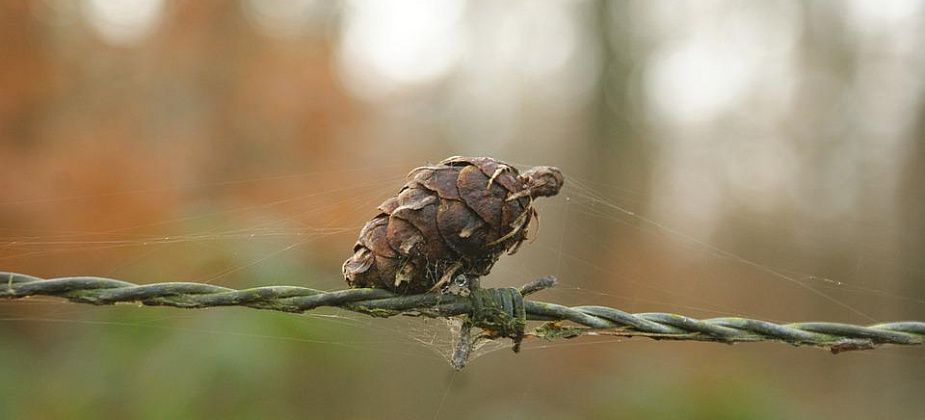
(760, 159)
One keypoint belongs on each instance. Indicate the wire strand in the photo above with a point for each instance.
(585, 320)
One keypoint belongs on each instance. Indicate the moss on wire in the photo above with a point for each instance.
(504, 319)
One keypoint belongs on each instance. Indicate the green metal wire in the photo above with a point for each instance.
(584, 320)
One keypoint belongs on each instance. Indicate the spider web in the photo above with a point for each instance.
(288, 237)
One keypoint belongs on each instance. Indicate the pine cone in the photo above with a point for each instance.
(451, 219)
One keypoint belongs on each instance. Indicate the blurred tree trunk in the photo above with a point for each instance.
(618, 150)
(912, 210)
(23, 76)
(909, 230)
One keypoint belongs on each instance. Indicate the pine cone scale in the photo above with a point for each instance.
(373, 230)
(402, 236)
(484, 199)
(441, 180)
(511, 211)
(461, 228)
(388, 206)
(424, 224)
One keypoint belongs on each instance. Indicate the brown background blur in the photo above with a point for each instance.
(760, 159)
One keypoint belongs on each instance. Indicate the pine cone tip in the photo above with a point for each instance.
(543, 181)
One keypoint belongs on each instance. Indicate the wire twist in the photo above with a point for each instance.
(589, 320)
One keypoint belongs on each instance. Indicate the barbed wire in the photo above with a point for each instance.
(498, 312)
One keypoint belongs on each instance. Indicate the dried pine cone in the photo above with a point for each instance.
(451, 219)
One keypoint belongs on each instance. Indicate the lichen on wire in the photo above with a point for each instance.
(499, 313)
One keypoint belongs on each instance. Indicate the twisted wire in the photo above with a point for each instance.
(588, 320)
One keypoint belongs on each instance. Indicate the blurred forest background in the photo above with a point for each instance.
(762, 159)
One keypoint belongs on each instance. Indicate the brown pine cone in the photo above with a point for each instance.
(451, 219)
